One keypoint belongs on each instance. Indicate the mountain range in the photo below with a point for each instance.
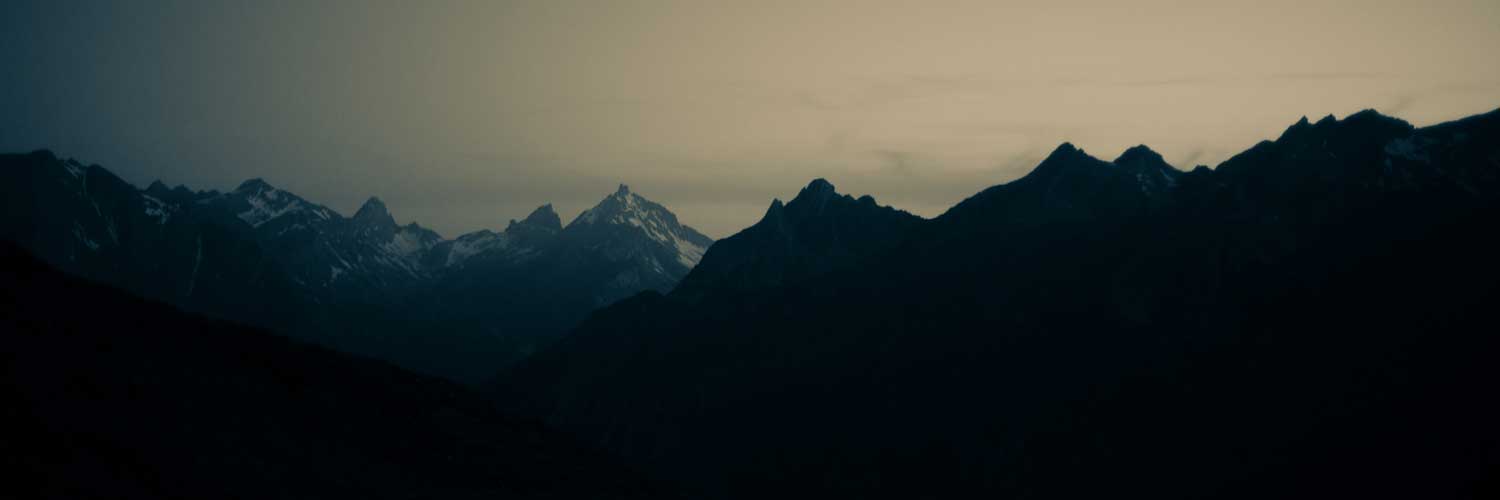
(365, 284)
(1310, 318)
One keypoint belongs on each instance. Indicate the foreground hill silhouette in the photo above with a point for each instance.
(111, 396)
(1313, 318)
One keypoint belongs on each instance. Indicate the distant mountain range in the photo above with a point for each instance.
(459, 308)
(1312, 318)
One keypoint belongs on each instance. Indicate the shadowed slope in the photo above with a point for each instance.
(1309, 320)
(111, 396)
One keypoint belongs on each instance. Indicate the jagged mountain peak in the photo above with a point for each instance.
(258, 202)
(1300, 127)
(818, 192)
(1365, 149)
(818, 231)
(373, 223)
(816, 198)
(1371, 119)
(1068, 183)
(775, 208)
(254, 186)
(373, 205)
(819, 185)
(1066, 155)
(629, 217)
(374, 210)
(1138, 154)
(1142, 158)
(1068, 159)
(619, 207)
(1152, 173)
(1065, 149)
(1362, 118)
(1367, 122)
(544, 217)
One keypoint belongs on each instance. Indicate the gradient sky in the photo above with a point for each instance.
(462, 116)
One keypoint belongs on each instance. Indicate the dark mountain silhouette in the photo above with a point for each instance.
(460, 308)
(1309, 319)
(817, 232)
(112, 396)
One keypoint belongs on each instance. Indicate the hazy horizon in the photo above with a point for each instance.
(462, 116)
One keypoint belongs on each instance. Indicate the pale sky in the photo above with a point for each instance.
(462, 116)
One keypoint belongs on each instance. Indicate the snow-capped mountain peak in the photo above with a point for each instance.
(264, 203)
(625, 209)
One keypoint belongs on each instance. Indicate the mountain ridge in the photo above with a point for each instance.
(817, 231)
(1306, 302)
(269, 257)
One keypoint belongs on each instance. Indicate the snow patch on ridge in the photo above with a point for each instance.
(262, 211)
(74, 169)
(688, 253)
(406, 244)
(158, 209)
(469, 245)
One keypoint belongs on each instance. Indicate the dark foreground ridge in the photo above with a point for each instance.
(1313, 318)
(111, 396)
